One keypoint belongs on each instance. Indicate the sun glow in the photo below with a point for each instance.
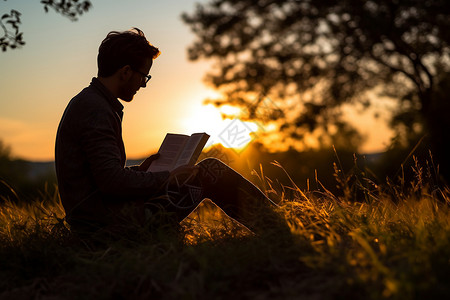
(230, 132)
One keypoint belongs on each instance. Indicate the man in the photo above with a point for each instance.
(94, 183)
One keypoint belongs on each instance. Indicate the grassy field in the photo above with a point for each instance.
(389, 241)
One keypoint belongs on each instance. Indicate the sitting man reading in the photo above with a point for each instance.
(94, 183)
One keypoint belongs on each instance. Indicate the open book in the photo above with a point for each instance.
(179, 150)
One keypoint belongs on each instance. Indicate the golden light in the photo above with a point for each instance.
(230, 133)
(230, 110)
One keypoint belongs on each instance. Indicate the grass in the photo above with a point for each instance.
(389, 241)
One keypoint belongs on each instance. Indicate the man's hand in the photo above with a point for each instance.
(148, 161)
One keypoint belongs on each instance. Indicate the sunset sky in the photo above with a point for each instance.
(59, 59)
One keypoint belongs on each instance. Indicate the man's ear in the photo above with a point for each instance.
(125, 73)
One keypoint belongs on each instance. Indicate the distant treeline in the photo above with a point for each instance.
(314, 170)
(26, 180)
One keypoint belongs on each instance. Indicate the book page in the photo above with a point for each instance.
(169, 152)
(192, 149)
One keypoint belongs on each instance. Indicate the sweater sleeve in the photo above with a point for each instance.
(101, 144)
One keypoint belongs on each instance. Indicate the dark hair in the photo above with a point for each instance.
(119, 49)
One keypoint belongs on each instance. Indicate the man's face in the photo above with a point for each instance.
(135, 81)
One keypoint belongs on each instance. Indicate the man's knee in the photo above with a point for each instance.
(211, 169)
(210, 160)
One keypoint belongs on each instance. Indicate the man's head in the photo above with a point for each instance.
(126, 58)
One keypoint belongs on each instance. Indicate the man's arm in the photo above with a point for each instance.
(100, 142)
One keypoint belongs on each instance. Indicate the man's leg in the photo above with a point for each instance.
(237, 197)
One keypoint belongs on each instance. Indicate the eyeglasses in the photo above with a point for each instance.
(147, 77)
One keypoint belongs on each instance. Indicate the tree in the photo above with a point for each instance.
(313, 57)
(12, 37)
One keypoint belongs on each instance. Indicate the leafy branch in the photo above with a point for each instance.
(68, 8)
(12, 37)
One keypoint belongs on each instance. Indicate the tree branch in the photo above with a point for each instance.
(67, 8)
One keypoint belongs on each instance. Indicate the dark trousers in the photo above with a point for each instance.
(236, 196)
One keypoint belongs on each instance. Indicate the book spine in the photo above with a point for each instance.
(198, 150)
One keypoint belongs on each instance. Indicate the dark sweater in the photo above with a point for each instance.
(90, 158)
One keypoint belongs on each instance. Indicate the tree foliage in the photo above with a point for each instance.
(12, 36)
(312, 57)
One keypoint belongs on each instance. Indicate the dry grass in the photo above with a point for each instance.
(389, 241)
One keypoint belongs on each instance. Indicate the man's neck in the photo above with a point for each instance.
(110, 84)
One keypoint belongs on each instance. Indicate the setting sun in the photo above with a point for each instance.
(230, 133)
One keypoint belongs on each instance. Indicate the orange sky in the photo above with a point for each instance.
(59, 60)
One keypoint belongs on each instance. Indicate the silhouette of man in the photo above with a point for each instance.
(94, 183)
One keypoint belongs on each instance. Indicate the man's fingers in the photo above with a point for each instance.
(148, 161)
(154, 156)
